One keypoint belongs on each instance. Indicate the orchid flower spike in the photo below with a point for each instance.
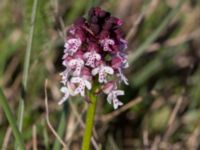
(94, 48)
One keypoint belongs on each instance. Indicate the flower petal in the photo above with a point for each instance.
(97, 56)
(66, 46)
(76, 80)
(72, 45)
(109, 98)
(95, 71)
(105, 43)
(119, 92)
(122, 76)
(87, 54)
(64, 89)
(108, 87)
(82, 93)
(102, 77)
(88, 84)
(66, 95)
(116, 103)
(108, 70)
(62, 100)
(80, 89)
(72, 62)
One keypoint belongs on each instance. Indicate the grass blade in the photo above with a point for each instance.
(11, 119)
(138, 52)
(29, 46)
(26, 65)
(61, 127)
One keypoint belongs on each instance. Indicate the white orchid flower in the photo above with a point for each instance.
(91, 58)
(77, 65)
(72, 45)
(112, 98)
(82, 83)
(105, 43)
(102, 71)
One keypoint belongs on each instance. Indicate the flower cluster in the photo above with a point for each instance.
(94, 52)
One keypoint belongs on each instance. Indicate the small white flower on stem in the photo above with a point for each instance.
(122, 77)
(77, 65)
(64, 75)
(91, 57)
(66, 95)
(82, 83)
(112, 98)
(68, 91)
(106, 43)
(124, 58)
(102, 71)
(125, 63)
(124, 44)
(72, 45)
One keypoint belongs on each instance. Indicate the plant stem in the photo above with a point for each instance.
(89, 121)
(11, 119)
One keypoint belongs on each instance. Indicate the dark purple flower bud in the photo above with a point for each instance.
(86, 73)
(119, 33)
(97, 11)
(91, 12)
(79, 21)
(119, 22)
(104, 14)
(104, 34)
(80, 34)
(116, 62)
(95, 28)
(107, 25)
(93, 47)
(108, 87)
(94, 19)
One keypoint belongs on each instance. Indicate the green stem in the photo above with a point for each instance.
(11, 119)
(89, 121)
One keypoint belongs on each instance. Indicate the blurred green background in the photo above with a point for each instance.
(162, 102)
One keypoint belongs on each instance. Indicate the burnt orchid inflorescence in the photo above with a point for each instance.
(94, 52)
